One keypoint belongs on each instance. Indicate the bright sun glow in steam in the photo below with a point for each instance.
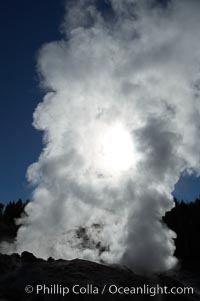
(117, 149)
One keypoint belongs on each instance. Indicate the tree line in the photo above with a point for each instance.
(183, 219)
(8, 215)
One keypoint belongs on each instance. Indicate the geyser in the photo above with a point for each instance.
(121, 122)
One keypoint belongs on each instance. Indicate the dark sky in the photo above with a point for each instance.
(24, 26)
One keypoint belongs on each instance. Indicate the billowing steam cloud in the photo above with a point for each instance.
(121, 122)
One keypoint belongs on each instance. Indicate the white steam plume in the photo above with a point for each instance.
(121, 122)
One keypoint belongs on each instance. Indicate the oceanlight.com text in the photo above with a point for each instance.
(110, 289)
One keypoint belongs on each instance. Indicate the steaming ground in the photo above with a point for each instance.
(121, 122)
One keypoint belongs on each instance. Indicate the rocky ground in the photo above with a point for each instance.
(26, 277)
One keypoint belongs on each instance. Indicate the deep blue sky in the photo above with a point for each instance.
(24, 26)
